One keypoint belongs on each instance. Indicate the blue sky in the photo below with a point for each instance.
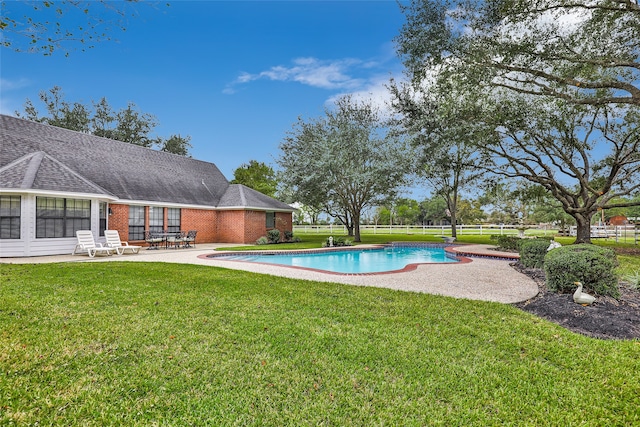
(233, 75)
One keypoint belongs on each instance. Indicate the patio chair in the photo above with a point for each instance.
(190, 238)
(88, 245)
(113, 241)
(176, 240)
(152, 239)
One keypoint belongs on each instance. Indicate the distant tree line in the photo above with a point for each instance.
(99, 118)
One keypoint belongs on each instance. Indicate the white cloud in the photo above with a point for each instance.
(336, 74)
(363, 79)
(374, 91)
(314, 72)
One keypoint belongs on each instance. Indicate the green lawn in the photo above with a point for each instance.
(162, 344)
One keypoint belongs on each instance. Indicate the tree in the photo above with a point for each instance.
(345, 161)
(103, 119)
(257, 175)
(556, 146)
(444, 137)
(521, 203)
(37, 27)
(134, 126)
(175, 144)
(582, 52)
(470, 212)
(406, 211)
(73, 116)
(433, 211)
(560, 81)
(126, 125)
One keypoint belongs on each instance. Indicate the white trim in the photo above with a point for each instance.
(161, 204)
(116, 201)
(65, 194)
(253, 208)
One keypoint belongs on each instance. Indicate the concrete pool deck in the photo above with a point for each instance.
(485, 278)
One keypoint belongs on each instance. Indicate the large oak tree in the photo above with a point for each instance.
(562, 91)
(580, 51)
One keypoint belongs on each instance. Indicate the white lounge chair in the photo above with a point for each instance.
(113, 241)
(88, 245)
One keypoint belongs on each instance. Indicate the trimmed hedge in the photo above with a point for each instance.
(533, 251)
(507, 243)
(592, 265)
(513, 243)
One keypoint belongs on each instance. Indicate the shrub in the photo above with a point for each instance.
(592, 265)
(288, 236)
(507, 243)
(338, 241)
(533, 251)
(262, 241)
(633, 279)
(273, 235)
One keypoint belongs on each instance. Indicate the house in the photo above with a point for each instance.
(618, 220)
(55, 181)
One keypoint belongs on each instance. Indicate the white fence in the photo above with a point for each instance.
(623, 233)
(440, 230)
(627, 234)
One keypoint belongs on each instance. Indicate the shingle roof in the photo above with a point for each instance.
(38, 156)
(240, 195)
(42, 172)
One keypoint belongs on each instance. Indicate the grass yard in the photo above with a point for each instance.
(161, 344)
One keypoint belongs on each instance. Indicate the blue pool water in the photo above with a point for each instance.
(354, 261)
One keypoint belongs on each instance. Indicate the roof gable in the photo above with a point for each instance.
(238, 195)
(39, 156)
(127, 171)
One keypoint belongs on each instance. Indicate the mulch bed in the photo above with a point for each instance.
(607, 318)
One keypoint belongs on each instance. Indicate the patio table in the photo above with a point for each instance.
(165, 237)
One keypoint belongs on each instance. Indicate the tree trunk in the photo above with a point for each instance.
(350, 230)
(454, 229)
(583, 229)
(356, 224)
(453, 211)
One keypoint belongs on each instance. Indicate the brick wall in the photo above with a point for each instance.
(284, 221)
(203, 221)
(213, 226)
(230, 227)
(119, 220)
(255, 225)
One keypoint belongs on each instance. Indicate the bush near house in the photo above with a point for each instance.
(290, 238)
(592, 265)
(273, 235)
(533, 251)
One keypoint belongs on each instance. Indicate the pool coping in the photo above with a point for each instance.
(461, 258)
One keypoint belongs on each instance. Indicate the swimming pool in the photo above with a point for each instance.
(352, 261)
